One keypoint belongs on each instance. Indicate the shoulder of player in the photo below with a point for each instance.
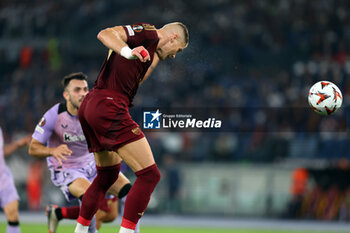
(54, 110)
(149, 27)
(48, 120)
(52, 113)
(138, 28)
(62, 107)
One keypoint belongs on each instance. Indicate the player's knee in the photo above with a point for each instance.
(156, 175)
(106, 176)
(150, 174)
(12, 215)
(106, 182)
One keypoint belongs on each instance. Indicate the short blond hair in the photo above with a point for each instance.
(183, 29)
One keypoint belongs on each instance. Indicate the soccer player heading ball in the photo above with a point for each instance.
(134, 51)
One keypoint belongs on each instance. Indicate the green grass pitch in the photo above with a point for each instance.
(109, 228)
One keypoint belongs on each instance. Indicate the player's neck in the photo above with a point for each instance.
(162, 36)
(71, 109)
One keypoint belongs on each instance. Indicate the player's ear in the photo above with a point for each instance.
(173, 37)
(65, 95)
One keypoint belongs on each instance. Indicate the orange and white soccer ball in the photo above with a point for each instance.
(325, 98)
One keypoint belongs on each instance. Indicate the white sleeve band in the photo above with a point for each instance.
(127, 53)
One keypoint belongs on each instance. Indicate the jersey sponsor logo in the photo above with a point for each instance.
(67, 137)
(148, 26)
(137, 28)
(130, 31)
(42, 122)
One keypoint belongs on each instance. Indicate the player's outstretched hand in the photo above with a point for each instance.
(141, 53)
(61, 152)
(25, 141)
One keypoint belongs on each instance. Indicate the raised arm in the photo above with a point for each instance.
(115, 39)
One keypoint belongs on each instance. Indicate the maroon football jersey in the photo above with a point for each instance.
(122, 75)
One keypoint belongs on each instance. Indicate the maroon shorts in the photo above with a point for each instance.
(106, 121)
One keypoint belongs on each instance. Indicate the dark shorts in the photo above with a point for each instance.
(106, 121)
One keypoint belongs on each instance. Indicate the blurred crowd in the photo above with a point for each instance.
(256, 55)
(322, 193)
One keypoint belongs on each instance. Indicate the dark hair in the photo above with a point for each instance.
(66, 79)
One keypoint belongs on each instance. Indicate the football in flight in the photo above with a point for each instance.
(325, 98)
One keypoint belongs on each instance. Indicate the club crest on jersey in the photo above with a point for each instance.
(136, 131)
(42, 122)
(137, 28)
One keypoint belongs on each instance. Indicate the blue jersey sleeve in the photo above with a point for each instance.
(46, 125)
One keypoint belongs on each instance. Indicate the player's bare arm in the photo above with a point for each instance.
(10, 148)
(151, 68)
(115, 39)
(37, 149)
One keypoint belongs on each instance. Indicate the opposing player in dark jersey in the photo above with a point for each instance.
(59, 138)
(134, 50)
(8, 193)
